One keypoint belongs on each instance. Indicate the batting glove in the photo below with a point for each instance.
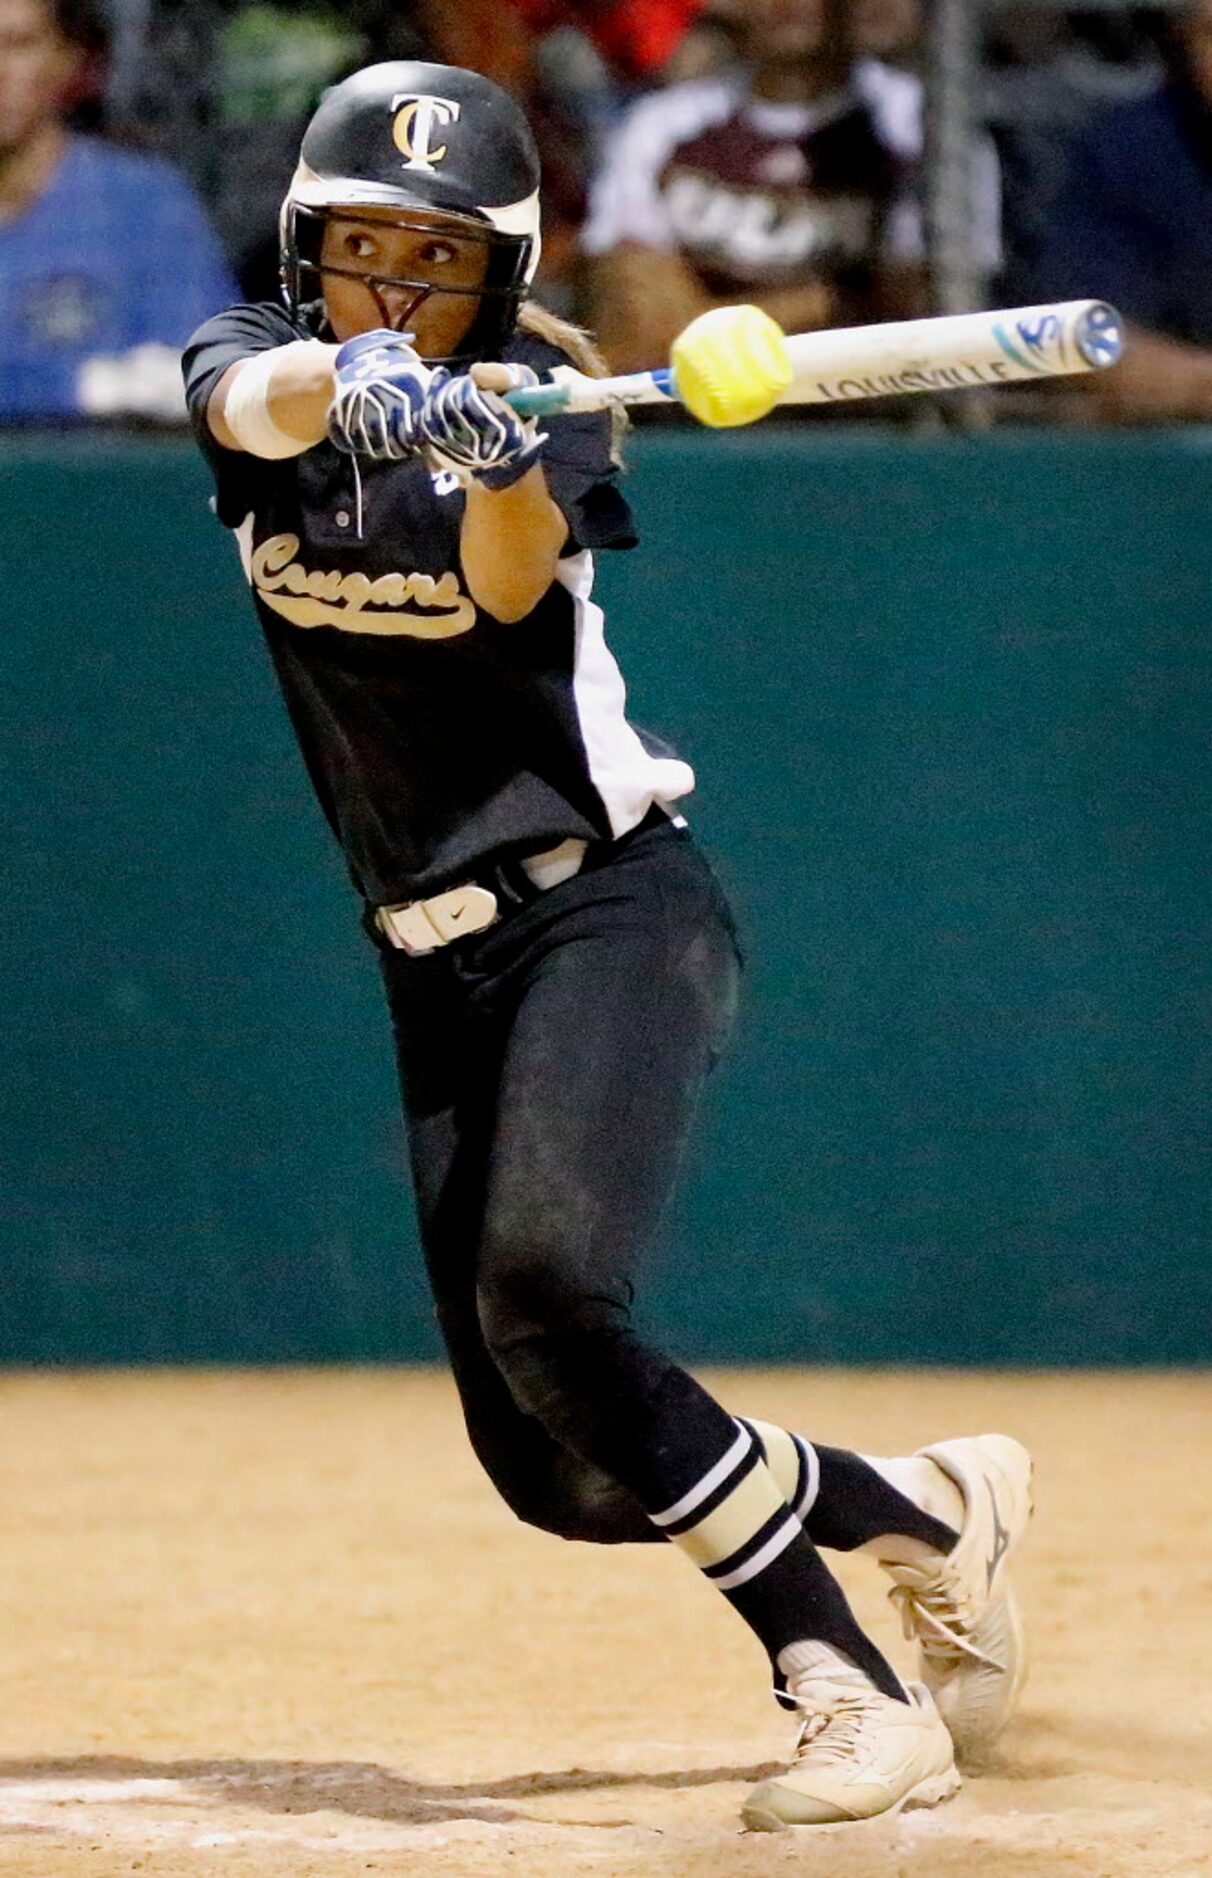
(380, 388)
(476, 435)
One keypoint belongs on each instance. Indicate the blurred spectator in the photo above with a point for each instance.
(789, 183)
(1047, 76)
(711, 43)
(890, 30)
(228, 85)
(501, 39)
(597, 55)
(225, 87)
(106, 260)
(637, 38)
(1133, 224)
(271, 65)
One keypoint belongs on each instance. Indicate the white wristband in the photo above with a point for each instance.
(246, 406)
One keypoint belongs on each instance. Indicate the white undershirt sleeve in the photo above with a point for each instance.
(246, 406)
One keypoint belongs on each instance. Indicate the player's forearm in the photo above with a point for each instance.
(297, 395)
(509, 546)
(1156, 380)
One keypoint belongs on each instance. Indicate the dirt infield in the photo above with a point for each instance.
(276, 1624)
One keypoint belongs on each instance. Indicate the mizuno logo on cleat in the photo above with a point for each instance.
(1001, 1541)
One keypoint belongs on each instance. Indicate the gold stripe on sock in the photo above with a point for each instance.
(778, 1542)
(734, 1521)
(782, 1456)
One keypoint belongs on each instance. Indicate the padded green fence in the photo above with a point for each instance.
(949, 702)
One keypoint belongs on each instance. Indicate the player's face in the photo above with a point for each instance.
(365, 253)
(36, 66)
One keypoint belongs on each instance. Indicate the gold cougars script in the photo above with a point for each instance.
(413, 604)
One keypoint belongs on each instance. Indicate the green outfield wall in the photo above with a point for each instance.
(949, 701)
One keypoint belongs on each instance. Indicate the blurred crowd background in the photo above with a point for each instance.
(815, 156)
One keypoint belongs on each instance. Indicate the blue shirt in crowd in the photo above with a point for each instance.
(116, 252)
(1133, 223)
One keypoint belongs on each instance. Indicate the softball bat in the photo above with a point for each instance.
(728, 368)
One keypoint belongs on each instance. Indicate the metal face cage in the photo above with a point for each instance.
(500, 294)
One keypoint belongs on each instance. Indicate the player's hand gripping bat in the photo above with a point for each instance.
(734, 364)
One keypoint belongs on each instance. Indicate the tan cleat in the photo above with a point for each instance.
(961, 1607)
(859, 1754)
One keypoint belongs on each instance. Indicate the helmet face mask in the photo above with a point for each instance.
(490, 301)
(422, 149)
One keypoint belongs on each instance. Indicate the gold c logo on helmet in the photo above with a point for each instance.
(417, 118)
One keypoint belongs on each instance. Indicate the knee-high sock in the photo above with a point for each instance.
(701, 1477)
(844, 1501)
(735, 1524)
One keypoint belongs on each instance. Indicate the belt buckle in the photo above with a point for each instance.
(421, 926)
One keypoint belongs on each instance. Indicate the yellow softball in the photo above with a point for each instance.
(731, 365)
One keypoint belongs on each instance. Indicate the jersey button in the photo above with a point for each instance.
(341, 518)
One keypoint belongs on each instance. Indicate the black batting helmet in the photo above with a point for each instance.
(416, 137)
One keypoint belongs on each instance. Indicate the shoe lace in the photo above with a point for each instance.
(833, 1719)
(935, 1611)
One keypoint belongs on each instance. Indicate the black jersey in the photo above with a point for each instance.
(435, 736)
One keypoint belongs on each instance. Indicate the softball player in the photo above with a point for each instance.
(559, 963)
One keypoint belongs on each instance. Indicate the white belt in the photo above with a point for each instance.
(420, 926)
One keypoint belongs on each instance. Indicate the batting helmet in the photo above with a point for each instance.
(419, 139)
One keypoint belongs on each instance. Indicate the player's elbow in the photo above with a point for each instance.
(505, 597)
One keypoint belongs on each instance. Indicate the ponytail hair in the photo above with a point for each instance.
(574, 340)
(580, 347)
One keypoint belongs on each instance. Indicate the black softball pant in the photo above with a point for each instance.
(550, 1069)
